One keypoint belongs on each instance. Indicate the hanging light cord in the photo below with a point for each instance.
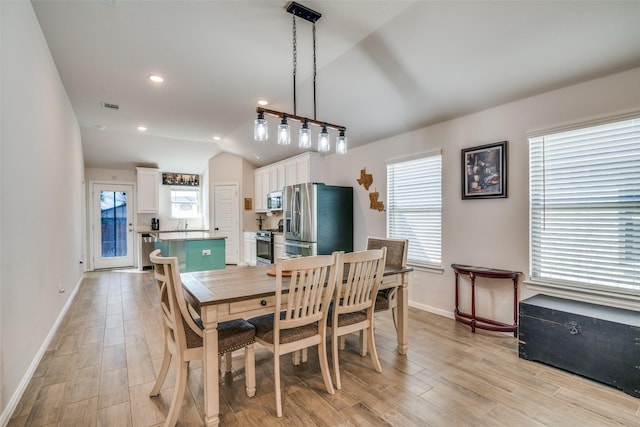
(295, 63)
(314, 71)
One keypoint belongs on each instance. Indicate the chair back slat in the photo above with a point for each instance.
(312, 280)
(363, 278)
(175, 312)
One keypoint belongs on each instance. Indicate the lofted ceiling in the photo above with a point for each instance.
(384, 67)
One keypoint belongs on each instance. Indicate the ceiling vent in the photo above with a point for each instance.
(111, 106)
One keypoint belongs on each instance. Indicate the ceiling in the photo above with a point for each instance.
(383, 67)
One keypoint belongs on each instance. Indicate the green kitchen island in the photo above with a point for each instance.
(195, 250)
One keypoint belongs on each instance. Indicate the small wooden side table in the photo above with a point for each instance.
(481, 322)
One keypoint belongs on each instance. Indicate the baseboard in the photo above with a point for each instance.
(17, 395)
(434, 310)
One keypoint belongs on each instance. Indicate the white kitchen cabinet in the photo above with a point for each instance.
(250, 248)
(278, 246)
(305, 167)
(276, 177)
(148, 189)
(261, 189)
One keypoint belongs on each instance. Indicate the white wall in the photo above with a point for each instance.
(41, 189)
(492, 232)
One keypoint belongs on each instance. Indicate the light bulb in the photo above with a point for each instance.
(260, 128)
(284, 132)
(341, 143)
(324, 144)
(304, 139)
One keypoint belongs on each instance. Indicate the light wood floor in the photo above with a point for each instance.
(102, 364)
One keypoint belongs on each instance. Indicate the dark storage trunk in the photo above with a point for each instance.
(597, 342)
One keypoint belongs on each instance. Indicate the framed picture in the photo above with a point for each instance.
(484, 171)
(247, 203)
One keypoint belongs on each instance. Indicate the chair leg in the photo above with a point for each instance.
(363, 343)
(295, 357)
(178, 394)
(336, 368)
(162, 375)
(276, 380)
(341, 342)
(395, 317)
(372, 349)
(324, 366)
(250, 370)
(304, 354)
(227, 361)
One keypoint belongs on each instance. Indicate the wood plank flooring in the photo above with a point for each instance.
(103, 361)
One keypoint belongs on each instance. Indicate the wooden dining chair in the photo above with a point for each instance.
(396, 256)
(354, 301)
(304, 287)
(183, 334)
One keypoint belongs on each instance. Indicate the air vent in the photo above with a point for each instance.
(112, 106)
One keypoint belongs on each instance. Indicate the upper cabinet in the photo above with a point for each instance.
(148, 189)
(305, 167)
(261, 189)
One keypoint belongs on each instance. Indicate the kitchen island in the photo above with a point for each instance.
(195, 250)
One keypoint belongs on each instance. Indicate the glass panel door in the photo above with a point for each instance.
(112, 226)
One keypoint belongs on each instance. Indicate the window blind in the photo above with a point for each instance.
(414, 207)
(585, 206)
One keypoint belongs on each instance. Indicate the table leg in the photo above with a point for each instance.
(403, 315)
(210, 367)
(515, 306)
(473, 302)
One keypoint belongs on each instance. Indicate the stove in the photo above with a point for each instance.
(264, 247)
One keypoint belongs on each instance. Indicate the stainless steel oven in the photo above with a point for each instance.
(264, 247)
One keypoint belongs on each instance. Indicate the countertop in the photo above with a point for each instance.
(188, 235)
(147, 230)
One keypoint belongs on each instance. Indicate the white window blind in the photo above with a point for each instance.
(414, 208)
(585, 207)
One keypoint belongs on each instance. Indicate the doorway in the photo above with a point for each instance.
(112, 225)
(226, 219)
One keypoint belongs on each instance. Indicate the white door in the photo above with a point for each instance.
(112, 222)
(226, 219)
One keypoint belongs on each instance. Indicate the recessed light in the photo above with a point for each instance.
(262, 102)
(100, 127)
(156, 78)
(142, 128)
(217, 138)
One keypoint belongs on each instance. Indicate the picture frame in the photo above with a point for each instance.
(484, 171)
(248, 205)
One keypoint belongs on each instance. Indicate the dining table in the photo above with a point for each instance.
(246, 291)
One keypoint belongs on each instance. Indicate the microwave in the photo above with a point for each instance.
(274, 201)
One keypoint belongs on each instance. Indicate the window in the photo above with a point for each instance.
(414, 208)
(185, 203)
(585, 207)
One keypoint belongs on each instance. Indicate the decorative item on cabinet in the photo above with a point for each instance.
(170, 178)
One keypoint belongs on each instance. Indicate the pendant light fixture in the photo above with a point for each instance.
(260, 129)
(284, 132)
(324, 143)
(341, 143)
(304, 139)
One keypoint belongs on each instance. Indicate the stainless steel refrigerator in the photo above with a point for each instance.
(318, 219)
